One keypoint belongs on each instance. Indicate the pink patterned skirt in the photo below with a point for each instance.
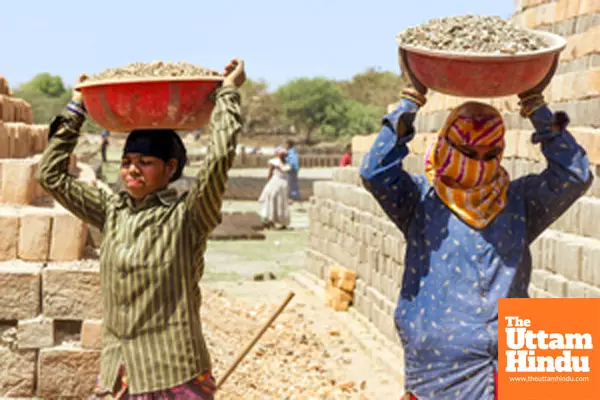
(202, 387)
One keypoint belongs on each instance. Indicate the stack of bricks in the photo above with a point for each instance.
(261, 160)
(19, 138)
(50, 303)
(340, 288)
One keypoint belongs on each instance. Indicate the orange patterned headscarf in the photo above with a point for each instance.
(475, 190)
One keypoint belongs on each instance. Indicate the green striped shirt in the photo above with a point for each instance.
(151, 257)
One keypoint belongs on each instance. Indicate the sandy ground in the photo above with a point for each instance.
(310, 352)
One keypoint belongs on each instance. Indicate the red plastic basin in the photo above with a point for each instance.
(150, 103)
(482, 75)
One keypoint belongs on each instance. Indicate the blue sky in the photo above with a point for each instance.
(279, 40)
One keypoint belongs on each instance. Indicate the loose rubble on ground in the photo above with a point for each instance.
(289, 362)
(154, 69)
(472, 34)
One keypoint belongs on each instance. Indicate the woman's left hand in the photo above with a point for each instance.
(540, 87)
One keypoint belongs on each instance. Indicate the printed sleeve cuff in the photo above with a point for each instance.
(224, 91)
(72, 120)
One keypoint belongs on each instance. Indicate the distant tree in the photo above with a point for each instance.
(49, 85)
(260, 110)
(308, 103)
(48, 97)
(373, 87)
(351, 118)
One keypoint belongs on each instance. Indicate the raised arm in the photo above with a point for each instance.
(566, 177)
(206, 196)
(85, 201)
(396, 191)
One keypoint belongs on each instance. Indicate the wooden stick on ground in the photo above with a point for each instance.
(255, 340)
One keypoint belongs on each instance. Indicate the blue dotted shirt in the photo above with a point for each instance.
(447, 313)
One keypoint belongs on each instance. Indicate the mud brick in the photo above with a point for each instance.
(536, 253)
(388, 287)
(550, 240)
(362, 252)
(320, 270)
(566, 9)
(387, 266)
(321, 189)
(388, 245)
(589, 216)
(569, 256)
(4, 140)
(71, 292)
(35, 333)
(570, 220)
(367, 273)
(18, 372)
(532, 291)
(539, 277)
(20, 283)
(400, 250)
(357, 302)
(91, 334)
(342, 278)
(588, 7)
(34, 234)
(368, 307)
(337, 299)
(361, 287)
(354, 196)
(373, 258)
(592, 292)
(542, 294)
(69, 235)
(9, 233)
(18, 181)
(545, 14)
(375, 315)
(590, 263)
(67, 372)
(576, 289)
(381, 300)
(556, 285)
(397, 271)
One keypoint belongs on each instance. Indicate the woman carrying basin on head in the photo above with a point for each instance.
(468, 228)
(152, 254)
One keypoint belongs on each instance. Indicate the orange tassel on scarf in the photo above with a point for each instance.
(475, 190)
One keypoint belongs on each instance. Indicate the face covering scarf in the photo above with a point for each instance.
(475, 190)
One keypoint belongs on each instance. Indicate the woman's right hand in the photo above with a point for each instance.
(412, 79)
(235, 74)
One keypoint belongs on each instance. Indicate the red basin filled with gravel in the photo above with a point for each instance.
(146, 97)
(479, 57)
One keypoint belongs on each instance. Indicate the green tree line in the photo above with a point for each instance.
(310, 108)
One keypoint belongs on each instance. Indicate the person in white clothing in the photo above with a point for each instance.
(274, 208)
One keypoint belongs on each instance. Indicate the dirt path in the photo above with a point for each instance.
(309, 353)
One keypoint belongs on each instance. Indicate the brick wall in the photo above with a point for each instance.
(50, 300)
(261, 160)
